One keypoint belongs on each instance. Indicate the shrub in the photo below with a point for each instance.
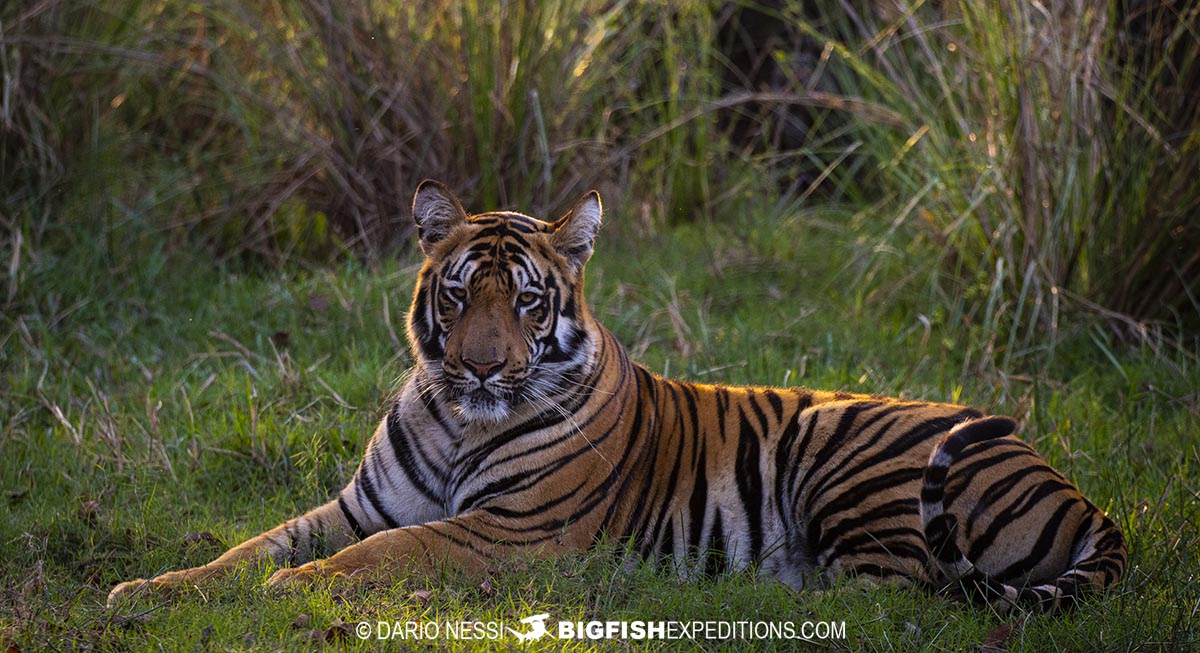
(282, 128)
(1047, 153)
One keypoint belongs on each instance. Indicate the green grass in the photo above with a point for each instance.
(154, 413)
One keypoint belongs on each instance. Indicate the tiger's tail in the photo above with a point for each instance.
(1098, 554)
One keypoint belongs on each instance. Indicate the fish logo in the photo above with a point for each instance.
(537, 628)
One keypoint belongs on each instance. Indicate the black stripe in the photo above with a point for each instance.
(533, 511)
(646, 393)
(677, 446)
(1003, 519)
(355, 527)
(775, 402)
(830, 531)
(789, 452)
(425, 328)
(994, 492)
(633, 429)
(722, 394)
(833, 443)
(900, 444)
(1051, 531)
(698, 503)
(991, 496)
(693, 413)
(901, 543)
(831, 474)
(796, 456)
(783, 449)
(405, 457)
(429, 400)
(368, 489)
(763, 425)
(939, 536)
(523, 480)
(749, 482)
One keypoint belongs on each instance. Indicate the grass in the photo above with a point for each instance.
(155, 413)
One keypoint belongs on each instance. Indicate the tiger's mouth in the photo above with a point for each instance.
(483, 405)
(489, 401)
(480, 396)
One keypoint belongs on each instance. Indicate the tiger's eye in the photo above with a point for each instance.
(527, 299)
(456, 293)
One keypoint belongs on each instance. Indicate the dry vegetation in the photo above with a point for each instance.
(1045, 154)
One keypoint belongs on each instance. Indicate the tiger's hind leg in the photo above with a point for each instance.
(1006, 529)
(856, 572)
(877, 542)
(874, 567)
(1097, 561)
(293, 542)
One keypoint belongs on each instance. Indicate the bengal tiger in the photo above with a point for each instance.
(525, 428)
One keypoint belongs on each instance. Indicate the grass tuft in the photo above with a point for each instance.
(1041, 155)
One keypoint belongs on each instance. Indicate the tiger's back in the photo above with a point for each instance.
(812, 485)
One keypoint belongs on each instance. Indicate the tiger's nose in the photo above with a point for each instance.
(483, 371)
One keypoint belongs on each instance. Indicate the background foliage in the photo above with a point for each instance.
(1025, 147)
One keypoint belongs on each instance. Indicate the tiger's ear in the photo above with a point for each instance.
(575, 232)
(437, 212)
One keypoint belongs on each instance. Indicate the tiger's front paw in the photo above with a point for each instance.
(290, 578)
(127, 590)
(168, 585)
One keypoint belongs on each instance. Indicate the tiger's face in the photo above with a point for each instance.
(498, 319)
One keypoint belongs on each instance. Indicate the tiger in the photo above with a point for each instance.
(524, 428)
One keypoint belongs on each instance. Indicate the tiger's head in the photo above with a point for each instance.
(498, 319)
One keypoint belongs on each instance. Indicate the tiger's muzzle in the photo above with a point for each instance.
(485, 359)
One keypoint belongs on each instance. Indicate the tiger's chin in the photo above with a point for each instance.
(482, 407)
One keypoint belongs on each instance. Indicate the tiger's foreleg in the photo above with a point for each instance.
(295, 541)
(465, 542)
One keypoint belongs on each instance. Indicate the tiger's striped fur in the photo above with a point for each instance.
(524, 426)
(1085, 551)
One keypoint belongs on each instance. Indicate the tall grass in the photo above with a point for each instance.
(1042, 154)
(46, 120)
(300, 128)
(1047, 152)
